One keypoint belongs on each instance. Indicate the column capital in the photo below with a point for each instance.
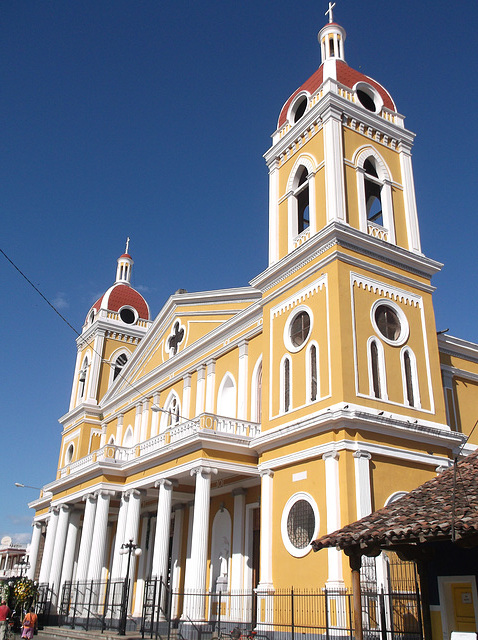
(166, 483)
(136, 493)
(55, 510)
(266, 473)
(330, 455)
(179, 507)
(105, 493)
(201, 470)
(37, 524)
(238, 492)
(362, 454)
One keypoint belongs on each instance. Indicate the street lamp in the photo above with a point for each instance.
(22, 565)
(26, 486)
(126, 548)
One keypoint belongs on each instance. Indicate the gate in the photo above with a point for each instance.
(92, 605)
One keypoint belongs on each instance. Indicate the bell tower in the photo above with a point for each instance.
(341, 153)
(344, 244)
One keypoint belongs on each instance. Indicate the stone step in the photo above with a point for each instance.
(65, 633)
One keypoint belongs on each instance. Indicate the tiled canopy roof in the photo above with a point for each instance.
(425, 514)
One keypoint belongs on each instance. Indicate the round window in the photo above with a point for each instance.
(300, 329)
(390, 323)
(127, 315)
(69, 454)
(300, 524)
(368, 97)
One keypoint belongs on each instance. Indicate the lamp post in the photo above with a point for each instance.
(126, 548)
(22, 565)
(26, 486)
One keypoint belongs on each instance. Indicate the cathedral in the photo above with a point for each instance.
(223, 436)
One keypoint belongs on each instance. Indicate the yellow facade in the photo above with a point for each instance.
(319, 391)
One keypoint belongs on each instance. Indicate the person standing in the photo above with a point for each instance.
(4, 614)
(30, 622)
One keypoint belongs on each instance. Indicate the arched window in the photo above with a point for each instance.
(301, 201)
(376, 370)
(312, 373)
(374, 195)
(285, 385)
(411, 393)
(226, 397)
(120, 362)
(172, 411)
(128, 437)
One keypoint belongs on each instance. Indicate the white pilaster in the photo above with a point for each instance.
(200, 391)
(155, 416)
(97, 557)
(49, 546)
(210, 385)
(74, 389)
(363, 494)
(119, 430)
(33, 551)
(410, 200)
(144, 420)
(57, 559)
(137, 425)
(195, 581)
(332, 493)
(96, 360)
(103, 435)
(70, 547)
(163, 529)
(186, 402)
(242, 382)
(86, 537)
(273, 213)
(334, 166)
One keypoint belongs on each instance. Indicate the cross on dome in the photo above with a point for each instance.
(330, 11)
(127, 245)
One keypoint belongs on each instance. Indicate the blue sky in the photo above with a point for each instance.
(149, 119)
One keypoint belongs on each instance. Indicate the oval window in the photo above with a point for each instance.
(127, 315)
(300, 329)
(388, 322)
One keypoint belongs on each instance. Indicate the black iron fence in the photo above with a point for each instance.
(280, 614)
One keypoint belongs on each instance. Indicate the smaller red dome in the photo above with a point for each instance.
(119, 296)
(346, 76)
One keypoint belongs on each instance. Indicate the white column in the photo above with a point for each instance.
(186, 402)
(242, 382)
(137, 425)
(195, 581)
(120, 538)
(332, 496)
(97, 557)
(363, 496)
(57, 559)
(176, 556)
(142, 568)
(163, 529)
(86, 537)
(103, 435)
(94, 374)
(131, 528)
(238, 532)
(201, 387)
(70, 547)
(155, 416)
(144, 421)
(334, 166)
(33, 550)
(210, 385)
(266, 531)
(49, 546)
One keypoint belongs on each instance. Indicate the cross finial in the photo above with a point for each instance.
(127, 245)
(329, 11)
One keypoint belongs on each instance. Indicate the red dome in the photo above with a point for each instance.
(346, 76)
(122, 295)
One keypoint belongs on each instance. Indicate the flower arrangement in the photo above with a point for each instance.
(4, 591)
(25, 592)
